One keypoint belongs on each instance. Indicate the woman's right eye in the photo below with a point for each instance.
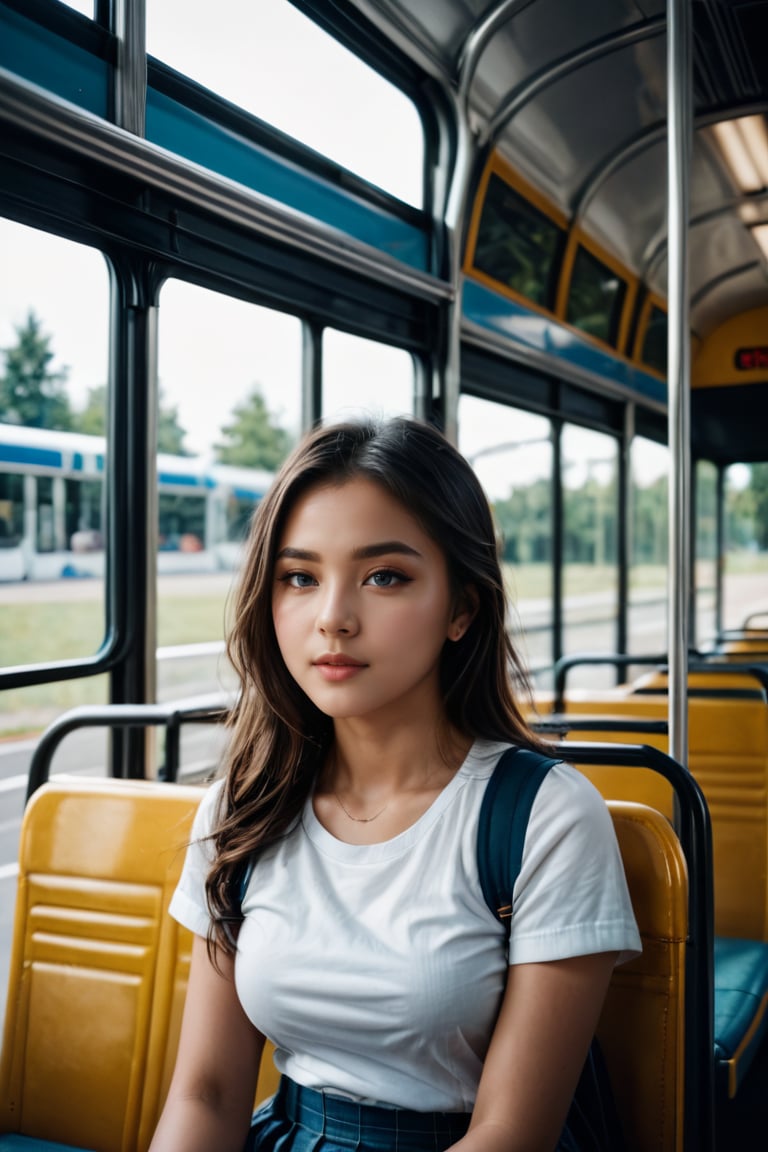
(298, 579)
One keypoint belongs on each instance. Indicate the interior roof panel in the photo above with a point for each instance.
(572, 127)
(737, 294)
(569, 129)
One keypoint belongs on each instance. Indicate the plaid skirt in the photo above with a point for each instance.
(299, 1119)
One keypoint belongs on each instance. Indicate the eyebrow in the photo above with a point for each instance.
(367, 552)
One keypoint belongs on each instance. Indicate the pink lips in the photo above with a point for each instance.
(336, 667)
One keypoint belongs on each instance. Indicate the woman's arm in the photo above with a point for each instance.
(212, 1091)
(541, 1039)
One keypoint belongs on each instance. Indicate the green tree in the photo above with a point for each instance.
(31, 393)
(253, 438)
(170, 434)
(524, 518)
(758, 484)
(93, 420)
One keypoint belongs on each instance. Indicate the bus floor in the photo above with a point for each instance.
(742, 1123)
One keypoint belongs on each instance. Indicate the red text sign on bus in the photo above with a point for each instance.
(746, 358)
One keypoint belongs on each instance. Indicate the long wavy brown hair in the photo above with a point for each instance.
(279, 738)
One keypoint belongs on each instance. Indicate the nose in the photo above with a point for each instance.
(337, 615)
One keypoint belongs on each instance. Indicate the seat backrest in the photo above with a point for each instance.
(642, 1028)
(728, 755)
(98, 969)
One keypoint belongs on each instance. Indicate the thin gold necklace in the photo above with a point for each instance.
(359, 819)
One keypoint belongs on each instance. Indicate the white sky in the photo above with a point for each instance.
(212, 349)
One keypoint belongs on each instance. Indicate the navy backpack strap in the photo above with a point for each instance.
(503, 821)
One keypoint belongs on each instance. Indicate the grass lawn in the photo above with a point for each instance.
(36, 631)
(34, 628)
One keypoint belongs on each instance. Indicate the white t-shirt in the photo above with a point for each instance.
(377, 971)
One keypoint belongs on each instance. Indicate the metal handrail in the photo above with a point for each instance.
(210, 709)
(695, 835)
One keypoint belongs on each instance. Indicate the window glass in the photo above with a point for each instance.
(229, 382)
(54, 336)
(365, 378)
(511, 451)
(590, 548)
(654, 351)
(86, 7)
(595, 297)
(745, 582)
(516, 244)
(649, 519)
(705, 571)
(271, 60)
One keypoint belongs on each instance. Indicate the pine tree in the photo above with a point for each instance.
(30, 392)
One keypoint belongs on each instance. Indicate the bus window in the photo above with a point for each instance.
(54, 339)
(84, 7)
(511, 451)
(705, 571)
(229, 392)
(11, 510)
(365, 378)
(654, 350)
(649, 518)
(590, 546)
(272, 61)
(595, 297)
(745, 564)
(517, 245)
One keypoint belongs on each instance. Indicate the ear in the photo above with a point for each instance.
(464, 611)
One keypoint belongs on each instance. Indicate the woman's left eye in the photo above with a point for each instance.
(298, 579)
(385, 578)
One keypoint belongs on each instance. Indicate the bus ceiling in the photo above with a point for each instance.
(574, 97)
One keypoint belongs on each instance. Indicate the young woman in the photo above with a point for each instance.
(332, 882)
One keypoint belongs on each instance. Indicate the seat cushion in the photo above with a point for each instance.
(741, 1007)
(14, 1143)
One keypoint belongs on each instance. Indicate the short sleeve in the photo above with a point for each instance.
(571, 897)
(188, 903)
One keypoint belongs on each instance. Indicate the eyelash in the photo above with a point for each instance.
(290, 578)
(398, 577)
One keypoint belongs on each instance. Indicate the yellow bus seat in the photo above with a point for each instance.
(725, 738)
(642, 1026)
(98, 970)
(728, 756)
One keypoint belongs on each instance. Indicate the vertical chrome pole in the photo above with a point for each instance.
(130, 78)
(679, 145)
(456, 205)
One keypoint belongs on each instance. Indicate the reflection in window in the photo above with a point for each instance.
(229, 384)
(595, 297)
(590, 544)
(705, 571)
(274, 62)
(85, 7)
(363, 378)
(517, 245)
(746, 544)
(649, 503)
(54, 336)
(511, 452)
(654, 350)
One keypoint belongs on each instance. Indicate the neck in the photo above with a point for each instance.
(404, 760)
